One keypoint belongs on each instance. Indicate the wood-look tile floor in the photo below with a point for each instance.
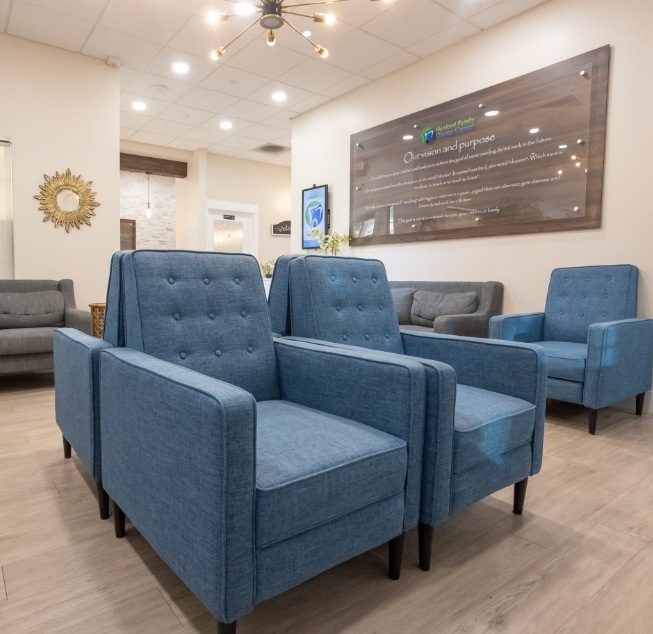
(579, 560)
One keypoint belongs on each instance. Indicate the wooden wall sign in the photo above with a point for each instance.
(523, 156)
(281, 229)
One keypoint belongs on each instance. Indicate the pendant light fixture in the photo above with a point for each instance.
(147, 212)
(271, 16)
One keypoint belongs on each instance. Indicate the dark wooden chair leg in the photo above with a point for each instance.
(103, 500)
(519, 496)
(395, 555)
(591, 420)
(66, 448)
(425, 539)
(227, 628)
(118, 521)
(639, 403)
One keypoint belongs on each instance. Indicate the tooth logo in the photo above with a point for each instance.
(314, 214)
(427, 136)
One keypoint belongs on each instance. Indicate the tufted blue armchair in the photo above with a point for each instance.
(76, 389)
(250, 464)
(598, 353)
(485, 410)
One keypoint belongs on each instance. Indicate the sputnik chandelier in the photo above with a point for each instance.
(273, 16)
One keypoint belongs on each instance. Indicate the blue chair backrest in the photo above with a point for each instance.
(114, 331)
(204, 311)
(343, 300)
(278, 300)
(585, 295)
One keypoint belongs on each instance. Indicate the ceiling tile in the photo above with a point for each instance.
(357, 13)
(398, 26)
(210, 136)
(502, 11)
(184, 114)
(133, 52)
(127, 76)
(4, 14)
(351, 83)
(224, 151)
(187, 144)
(169, 128)
(125, 133)
(188, 5)
(250, 110)
(466, 8)
(358, 50)
(158, 87)
(152, 139)
(325, 35)
(136, 17)
(199, 67)
(233, 81)
(154, 106)
(258, 58)
(56, 29)
(282, 119)
(264, 133)
(310, 103)
(209, 100)
(293, 95)
(389, 65)
(133, 120)
(241, 142)
(456, 33)
(314, 75)
(87, 10)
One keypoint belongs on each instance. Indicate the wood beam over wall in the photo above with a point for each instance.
(155, 166)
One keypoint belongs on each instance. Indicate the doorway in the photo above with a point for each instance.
(232, 227)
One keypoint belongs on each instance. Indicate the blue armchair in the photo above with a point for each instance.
(485, 410)
(76, 376)
(250, 464)
(598, 353)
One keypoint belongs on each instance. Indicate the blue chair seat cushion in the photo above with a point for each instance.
(565, 359)
(313, 467)
(487, 425)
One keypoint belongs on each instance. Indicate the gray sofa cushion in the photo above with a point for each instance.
(402, 298)
(25, 341)
(427, 306)
(31, 310)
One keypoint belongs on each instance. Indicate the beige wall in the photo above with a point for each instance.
(61, 110)
(549, 33)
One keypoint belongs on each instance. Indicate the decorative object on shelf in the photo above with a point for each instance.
(267, 268)
(67, 200)
(330, 242)
(147, 212)
(272, 17)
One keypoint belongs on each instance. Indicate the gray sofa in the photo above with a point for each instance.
(455, 308)
(30, 311)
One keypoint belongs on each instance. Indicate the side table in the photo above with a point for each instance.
(97, 319)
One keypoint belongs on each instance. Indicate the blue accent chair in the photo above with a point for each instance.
(485, 409)
(250, 464)
(76, 395)
(598, 353)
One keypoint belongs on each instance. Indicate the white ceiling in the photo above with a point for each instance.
(369, 40)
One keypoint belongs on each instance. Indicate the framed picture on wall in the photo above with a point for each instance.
(127, 234)
(314, 214)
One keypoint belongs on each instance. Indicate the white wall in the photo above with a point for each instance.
(61, 110)
(549, 33)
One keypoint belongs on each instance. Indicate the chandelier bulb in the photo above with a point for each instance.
(321, 51)
(271, 39)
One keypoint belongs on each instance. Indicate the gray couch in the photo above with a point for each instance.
(30, 311)
(455, 308)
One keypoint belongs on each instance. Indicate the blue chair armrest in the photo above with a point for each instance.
(387, 392)
(526, 327)
(178, 451)
(619, 358)
(76, 396)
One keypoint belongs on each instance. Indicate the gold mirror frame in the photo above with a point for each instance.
(55, 185)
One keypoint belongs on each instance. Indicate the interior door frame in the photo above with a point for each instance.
(247, 213)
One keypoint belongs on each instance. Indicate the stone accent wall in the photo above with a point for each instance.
(159, 231)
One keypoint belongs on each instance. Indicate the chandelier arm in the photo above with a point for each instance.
(296, 30)
(224, 48)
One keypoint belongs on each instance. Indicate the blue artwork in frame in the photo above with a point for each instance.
(314, 214)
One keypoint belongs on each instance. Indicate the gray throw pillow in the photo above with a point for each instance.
(402, 298)
(428, 305)
(31, 310)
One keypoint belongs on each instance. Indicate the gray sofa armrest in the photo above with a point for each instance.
(474, 325)
(78, 319)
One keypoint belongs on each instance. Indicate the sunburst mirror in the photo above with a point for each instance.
(67, 200)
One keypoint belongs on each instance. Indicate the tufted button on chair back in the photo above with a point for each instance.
(344, 300)
(581, 296)
(204, 311)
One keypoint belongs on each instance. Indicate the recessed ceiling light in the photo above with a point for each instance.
(407, 137)
(158, 89)
(491, 113)
(226, 125)
(181, 68)
(139, 105)
(279, 96)
(534, 130)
